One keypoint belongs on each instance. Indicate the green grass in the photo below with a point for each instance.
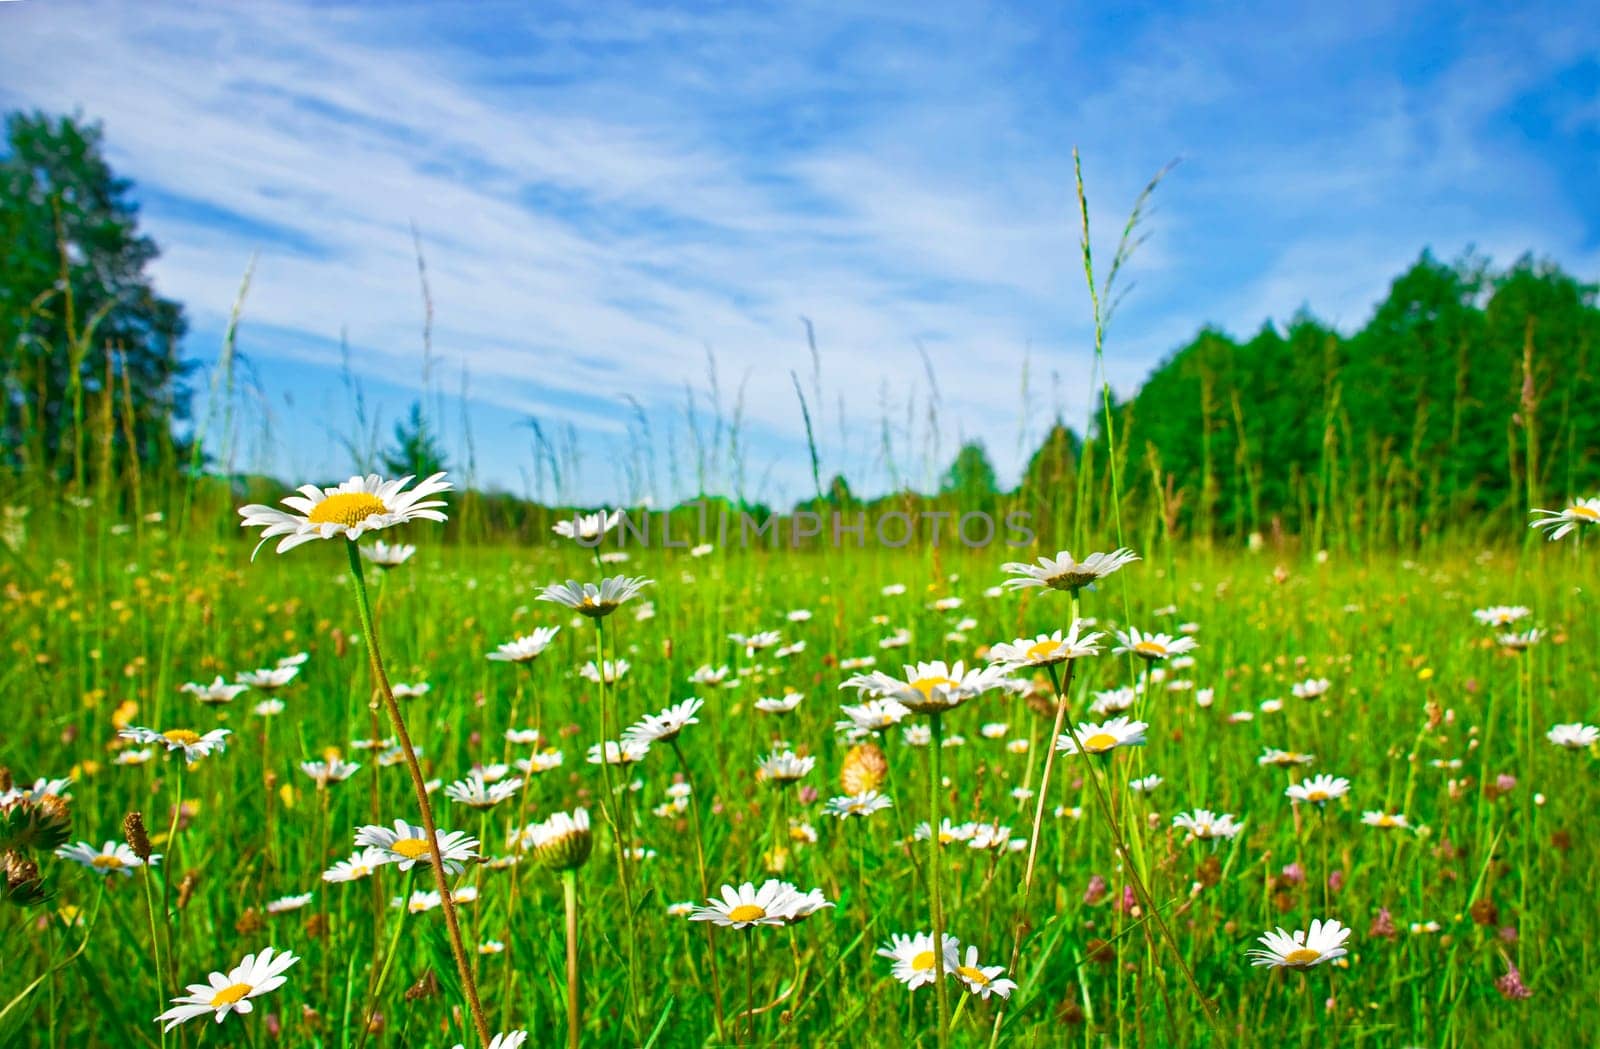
(101, 626)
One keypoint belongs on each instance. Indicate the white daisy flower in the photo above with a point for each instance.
(1205, 825)
(1560, 522)
(1318, 790)
(285, 904)
(383, 555)
(333, 770)
(949, 833)
(745, 906)
(1113, 701)
(928, 688)
(1063, 573)
(1146, 784)
(216, 693)
(1521, 642)
(1283, 758)
(665, 726)
(562, 842)
(994, 730)
(1385, 820)
(403, 690)
(1574, 736)
(709, 675)
(113, 858)
(757, 642)
(875, 715)
(1501, 615)
(1045, 650)
(406, 845)
(983, 980)
(268, 678)
(862, 805)
(540, 761)
(1104, 738)
(1152, 647)
(1302, 950)
(588, 529)
(1311, 688)
(526, 648)
(194, 745)
(779, 704)
(133, 757)
(255, 975)
(799, 615)
(523, 737)
(625, 753)
(478, 793)
(509, 1040)
(914, 963)
(595, 601)
(352, 509)
(268, 708)
(784, 767)
(360, 865)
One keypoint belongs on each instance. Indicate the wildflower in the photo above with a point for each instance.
(285, 904)
(665, 726)
(268, 678)
(625, 753)
(1510, 985)
(1103, 738)
(1311, 688)
(607, 671)
(1302, 950)
(1573, 736)
(254, 976)
(332, 771)
(1385, 820)
(360, 865)
(1152, 647)
(214, 694)
(1113, 701)
(1501, 615)
(526, 648)
(476, 793)
(1560, 522)
(540, 761)
(595, 601)
(784, 767)
(709, 675)
(779, 705)
(949, 833)
(588, 529)
(562, 842)
(983, 980)
(913, 958)
(352, 509)
(1205, 825)
(1515, 642)
(1063, 573)
(1045, 650)
(385, 556)
(1283, 758)
(405, 845)
(1318, 790)
(745, 906)
(113, 858)
(875, 715)
(928, 688)
(864, 804)
(193, 744)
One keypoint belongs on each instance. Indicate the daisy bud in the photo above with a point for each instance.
(563, 842)
(134, 833)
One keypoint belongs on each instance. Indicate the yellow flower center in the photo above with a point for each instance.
(1099, 743)
(1585, 512)
(1317, 795)
(926, 685)
(1386, 820)
(229, 995)
(922, 962)
(1303, 957)
(410, 848)
(747, 912)
(182, 736)
(105, 862)
(975, 975)
(346, 508)
(1150, 649)
(1041, 650)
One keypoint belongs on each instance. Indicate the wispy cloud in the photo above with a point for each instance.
(605, 191)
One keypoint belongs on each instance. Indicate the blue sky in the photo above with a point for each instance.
(607, 194)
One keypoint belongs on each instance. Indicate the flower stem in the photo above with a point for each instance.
(935, 860)
(452, 924)
(705, 885)
(610, 808)
(569, 885)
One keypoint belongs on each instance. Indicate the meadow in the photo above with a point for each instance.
(1098, 905)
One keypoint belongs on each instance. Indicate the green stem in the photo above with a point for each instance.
(569, 886)
(705, 885)
(610, 807)
(935, 861)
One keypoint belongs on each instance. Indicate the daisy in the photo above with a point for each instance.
(285, 904)
(863, 804)
(1521, 642)
(526, 648)
(1501, 615)
(913, 958)
(509, 1040)
(562, 842)
(745, 906)
(540, 761)
(1152, 647)
(625, 753)
(488, 947)
(384, 555)
(406, 845)
(1560, 522)
(1319, 790)
(1302, 950)
(1311, 688)
(609, 671)
(360, 865)
(1045, 650)
(134, 757)
(1063, 573)
(1574, 736)
(268, 708)
(1385, 820)
(231, 993)
(1283, 758)
(404, 691)
(949, 833)
(804, 904)
(298, 659)
(928, 688)
(114, 858)
(193, 744)
(477, 793)
(784, 767)
(1145, 785)
(588, 529)
(779, 705)
(360, 505)
(268, 678)
(709, 675)
(1206, 825)
(875, 715)
(665, 726)
(1113, 701)
(1104, 738)
(331, 771)
(799, 615)
(757, 642)
(595, 601)
(216, 693)
(983, 980)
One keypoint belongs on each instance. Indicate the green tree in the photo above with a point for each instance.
(81, 326)
(971, 479)
(416, 449)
